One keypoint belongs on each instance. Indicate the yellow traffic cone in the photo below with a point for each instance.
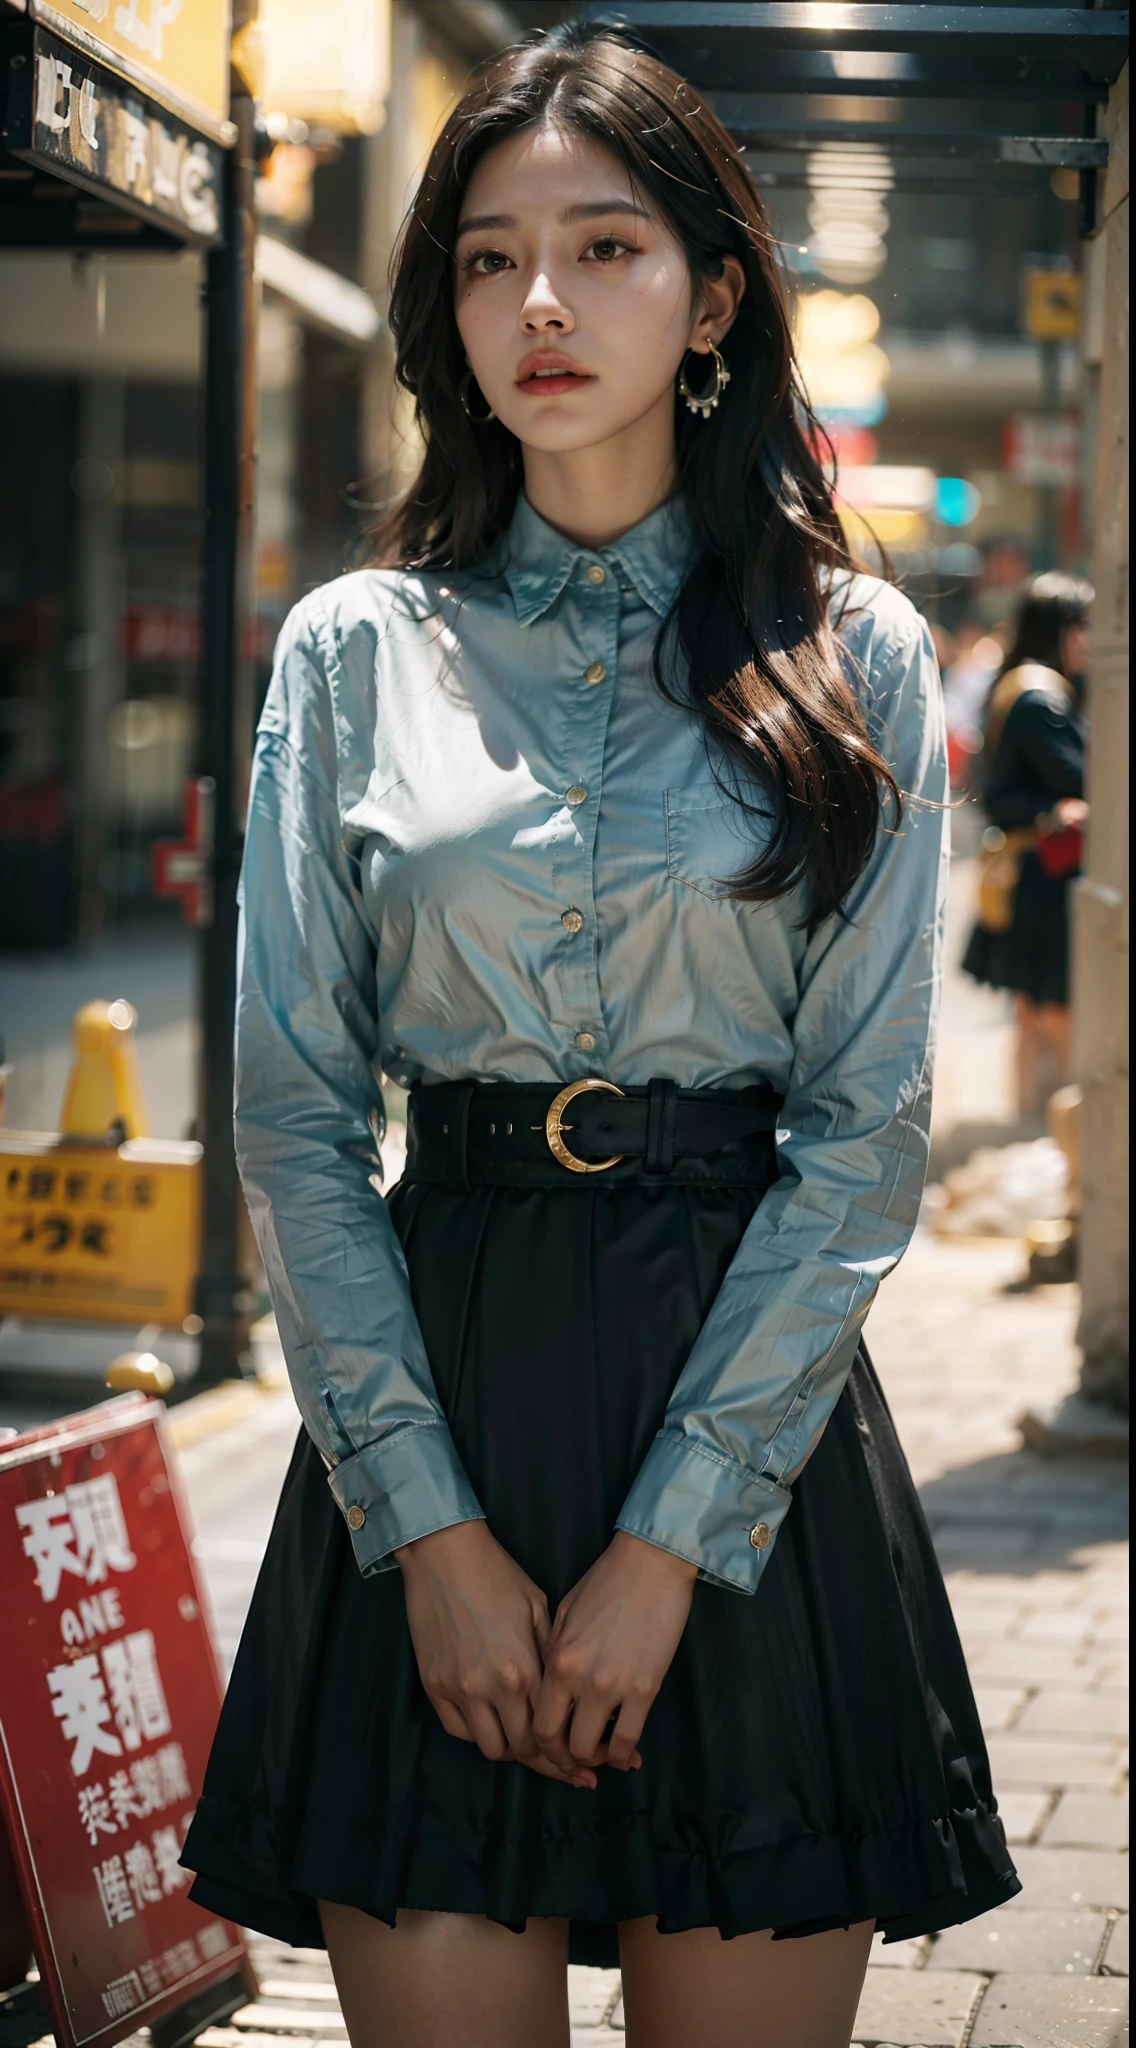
(104, 1088)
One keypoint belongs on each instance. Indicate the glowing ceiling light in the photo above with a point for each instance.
(846, 212)
(843, 369)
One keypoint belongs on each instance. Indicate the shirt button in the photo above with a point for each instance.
(596, 673)
(572, 920)
(759, 1536)
(576, 795)
(597, 573)
(356, 1517)
(586, 1040)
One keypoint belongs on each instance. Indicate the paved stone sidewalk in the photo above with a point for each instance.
(1036, 1565)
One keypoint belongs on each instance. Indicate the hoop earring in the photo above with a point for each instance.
(480, 419)
(705, 402)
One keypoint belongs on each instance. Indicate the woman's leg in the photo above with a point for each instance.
(695, 1990)
(437, 1979)
(1030, 1096)
(1055, 1023)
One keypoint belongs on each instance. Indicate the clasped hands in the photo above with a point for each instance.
(563, 1697)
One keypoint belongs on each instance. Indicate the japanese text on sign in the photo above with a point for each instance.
(105, 1235)
(108, 1686)
(81, 1531)
(110, 1700)
(86, 123)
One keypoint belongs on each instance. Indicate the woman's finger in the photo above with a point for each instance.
(585, 1736)
(485, 1726)
(450, 1718)
(550, 1722)
(622, 1749)
(542, 1629)
(515, 1711)
(516, 1714)
(581, 1778)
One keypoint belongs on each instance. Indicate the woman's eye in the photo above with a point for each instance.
(606, 248)
(486, 262)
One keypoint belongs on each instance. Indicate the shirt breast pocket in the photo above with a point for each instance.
(709, 840)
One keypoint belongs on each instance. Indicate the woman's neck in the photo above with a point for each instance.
(592, 495)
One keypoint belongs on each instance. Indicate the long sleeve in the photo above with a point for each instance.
(308, 1123)
(771, 1360)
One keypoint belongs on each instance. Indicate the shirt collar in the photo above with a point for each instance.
(539, 560)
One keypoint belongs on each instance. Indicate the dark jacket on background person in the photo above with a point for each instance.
(1034, 757)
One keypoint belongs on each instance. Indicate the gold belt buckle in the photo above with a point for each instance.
(554, 1128)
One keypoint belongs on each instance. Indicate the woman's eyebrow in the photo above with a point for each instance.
(592, 209)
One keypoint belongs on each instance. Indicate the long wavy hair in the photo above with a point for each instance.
(758, 655)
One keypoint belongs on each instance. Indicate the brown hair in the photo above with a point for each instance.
(752, 619)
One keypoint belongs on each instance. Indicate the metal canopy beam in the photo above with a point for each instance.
(1096, 41)
(929, 184)
(740, 52)
(747, 123)
(776, 80)
(801, 73)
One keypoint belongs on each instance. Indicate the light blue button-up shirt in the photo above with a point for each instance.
(448, 765)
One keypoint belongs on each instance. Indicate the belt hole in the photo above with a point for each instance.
(493, 1130)
(509, 1130)
(445, 1130)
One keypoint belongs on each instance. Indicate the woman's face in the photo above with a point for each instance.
(1076, 648)
(573, 296)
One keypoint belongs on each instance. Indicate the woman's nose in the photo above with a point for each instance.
(543, 308)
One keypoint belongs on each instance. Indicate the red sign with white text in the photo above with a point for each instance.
(109, 1695)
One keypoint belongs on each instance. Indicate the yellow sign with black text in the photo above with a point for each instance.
(178, 50)
(1052, 305)
(105, 1234)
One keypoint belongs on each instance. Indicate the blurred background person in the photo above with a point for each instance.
(1004, 579)
(1032, 791)
(969, 668)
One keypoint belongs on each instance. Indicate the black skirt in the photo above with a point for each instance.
(814, 1757)
(1031, 957)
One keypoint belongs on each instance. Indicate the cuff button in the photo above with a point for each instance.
(357, 1516)
(758, 1535)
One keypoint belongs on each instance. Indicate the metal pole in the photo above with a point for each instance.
(223, 1301)
(1049, 494)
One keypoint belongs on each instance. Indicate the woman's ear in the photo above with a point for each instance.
(718, 302)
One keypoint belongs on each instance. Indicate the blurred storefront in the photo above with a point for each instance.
(110, 187)
(939, 318)
(941, 341)
(101, 415)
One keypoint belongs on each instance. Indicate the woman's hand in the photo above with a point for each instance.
(615, 1635)
(479, 1629)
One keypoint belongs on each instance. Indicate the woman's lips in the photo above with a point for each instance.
(548, 386)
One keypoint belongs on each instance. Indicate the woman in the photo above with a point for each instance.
(608, 818)
(1032, 791)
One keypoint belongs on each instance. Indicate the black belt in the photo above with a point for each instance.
(462, 1134)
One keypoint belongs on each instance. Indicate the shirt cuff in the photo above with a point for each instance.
(401, 1487)
(718, 1515)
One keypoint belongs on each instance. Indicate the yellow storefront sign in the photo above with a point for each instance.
(1052, 305)
(107, 1234)
(178, 50)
